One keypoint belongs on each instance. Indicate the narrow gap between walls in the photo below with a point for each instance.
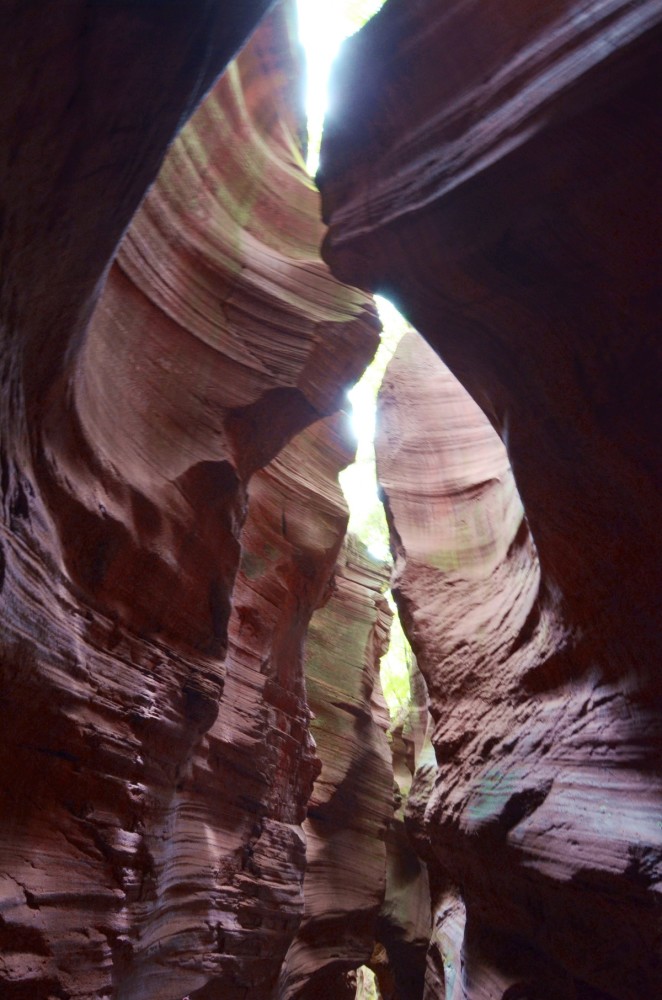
(323, 26)
(366, 511)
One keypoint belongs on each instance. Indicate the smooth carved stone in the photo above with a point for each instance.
(157, 762)
(219, 335)
(351, 804)
(538, 809)
(258, 751)
(522, 238)
(94, 94)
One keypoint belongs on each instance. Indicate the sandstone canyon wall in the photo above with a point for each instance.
(498, 176)
(197, 793)
(352, 801)
(170, 448)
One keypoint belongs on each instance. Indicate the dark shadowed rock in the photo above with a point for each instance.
(156, 586)
(498, 176)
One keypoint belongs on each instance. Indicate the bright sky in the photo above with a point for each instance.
(323, 25)
(359, 481)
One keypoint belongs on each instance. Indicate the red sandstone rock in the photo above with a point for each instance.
(155, 772)
(404, 924)
(169, 523)
(351, 804)
(93, 95)
(534, 809)
(258, 750)
(244, 339)
(498, 175)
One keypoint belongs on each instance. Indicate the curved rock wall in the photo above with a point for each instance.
(159, 562)
(169, 448)
(94, 95)
(535, 822)
(351, 804)
(466, 579)
(498, 177)
(219, 335)
(251, 781)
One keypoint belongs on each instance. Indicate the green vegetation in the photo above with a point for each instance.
(357, 12)
(395, 666)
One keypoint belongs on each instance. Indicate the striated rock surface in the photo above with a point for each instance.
(219, 335)
(94, 95)
(170, 439)
(498, 176)
(351, 805)
(258, 761)
(536, 819)
(159, 562)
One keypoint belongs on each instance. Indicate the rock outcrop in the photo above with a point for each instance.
(537, 798)
(163, 545)
(494, 169)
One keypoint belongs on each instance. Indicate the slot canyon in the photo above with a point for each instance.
(203, 795)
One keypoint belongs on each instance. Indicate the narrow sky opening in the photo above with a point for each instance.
(323, 26)
(359, 480)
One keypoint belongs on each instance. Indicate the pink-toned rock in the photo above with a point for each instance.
(498, 175)
(536, 810)
(351, 805)
(219, 335)
(404, 924)
(171, 519)
(93, 97)
(156, 586)
(253, 855)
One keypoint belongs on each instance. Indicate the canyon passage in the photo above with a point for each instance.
(203, 795)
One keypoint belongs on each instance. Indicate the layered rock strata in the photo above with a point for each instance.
(352, 802)
(498, 176)
(526, 814)
(156, 585)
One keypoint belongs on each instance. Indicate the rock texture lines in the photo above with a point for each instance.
(497, 178)
(160, 563)
(201, 794)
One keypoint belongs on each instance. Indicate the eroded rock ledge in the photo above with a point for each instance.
(352, 802)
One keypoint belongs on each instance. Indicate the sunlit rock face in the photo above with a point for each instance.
(352, 800)
(171, 515)
(466, 578)
(497, 174)
(219, 335)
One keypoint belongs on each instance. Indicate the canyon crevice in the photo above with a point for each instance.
(201, 792)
